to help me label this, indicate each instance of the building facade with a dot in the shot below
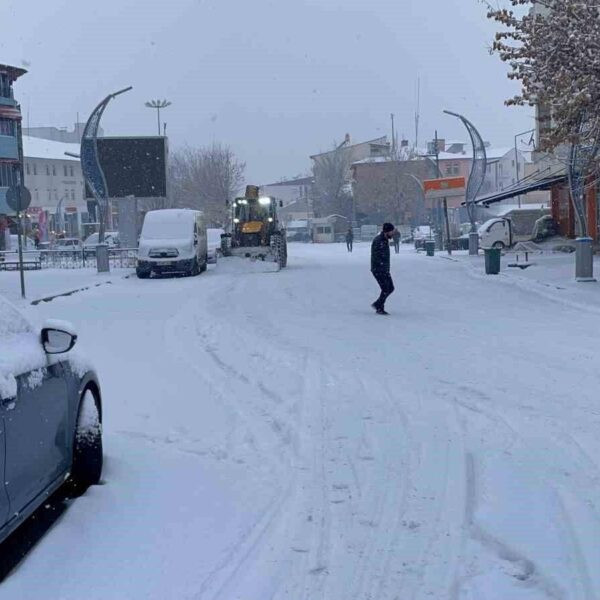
(59, 134)
(55, 180)
(11, 149)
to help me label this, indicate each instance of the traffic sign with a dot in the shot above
(18, 197)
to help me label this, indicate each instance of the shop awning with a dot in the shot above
(523, 187)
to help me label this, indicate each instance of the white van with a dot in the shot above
(517, 225)
(172, 241)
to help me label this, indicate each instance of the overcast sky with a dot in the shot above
(277, 80)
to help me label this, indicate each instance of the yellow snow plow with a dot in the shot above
(254, 230)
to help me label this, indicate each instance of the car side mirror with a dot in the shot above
(58, 338)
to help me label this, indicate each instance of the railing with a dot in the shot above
(119, 258)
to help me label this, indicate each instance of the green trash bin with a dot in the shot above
(430, 247)
(492, 261)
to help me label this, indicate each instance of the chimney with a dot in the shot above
(347, 139)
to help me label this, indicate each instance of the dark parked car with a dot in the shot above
(50, 417)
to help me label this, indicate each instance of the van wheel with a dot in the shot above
(499, 245)
(86, 469)
(194, 270)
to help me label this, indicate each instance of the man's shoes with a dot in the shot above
(382, 311)
(374, 305)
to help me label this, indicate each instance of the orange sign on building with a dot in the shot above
(446, 186)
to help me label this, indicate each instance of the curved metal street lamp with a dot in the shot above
(476, 177)
(91, 168)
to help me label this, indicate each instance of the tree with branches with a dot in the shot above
(331, 173)
(553, 50)
(206, 179)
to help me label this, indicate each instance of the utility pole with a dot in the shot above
(393, 136)
(517, 157)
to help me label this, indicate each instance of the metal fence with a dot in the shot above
(119, 258)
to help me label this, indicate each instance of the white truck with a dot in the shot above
(516, 225)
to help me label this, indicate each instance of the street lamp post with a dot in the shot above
(157, 104)
(94, 175)
(476, 177)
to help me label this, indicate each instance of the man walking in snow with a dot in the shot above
(380, 266)
(349, 239)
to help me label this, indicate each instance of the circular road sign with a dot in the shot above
(18, 197)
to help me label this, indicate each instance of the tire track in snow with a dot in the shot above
(505, 435)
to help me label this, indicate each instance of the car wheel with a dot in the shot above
(86, 469)
(499, 245)
(142, 273)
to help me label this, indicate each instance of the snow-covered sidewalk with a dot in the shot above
(268, 436)
(49, 282)
(551, 274)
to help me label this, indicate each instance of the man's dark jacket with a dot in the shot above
(380, 254)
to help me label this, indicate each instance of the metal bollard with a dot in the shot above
(102, 261)
(473, 243)
(584, 260)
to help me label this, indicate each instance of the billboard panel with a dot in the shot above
(133, 166)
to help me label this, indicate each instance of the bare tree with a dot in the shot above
(332, 182)
(205, 179)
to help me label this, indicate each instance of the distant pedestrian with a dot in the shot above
(380, 266)
(396, 238)
(349, 239)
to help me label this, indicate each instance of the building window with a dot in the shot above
(72, 194)
(48, 170)
(36, 195)
(34, 169)
(54, 170)
(8, 176)
(456, 170)
(7, 127)
(49, 195)
(27, 168)
(5, 89)
(72, 172)
(65, 170)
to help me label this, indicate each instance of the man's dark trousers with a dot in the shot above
(349, 245)
(387, 287)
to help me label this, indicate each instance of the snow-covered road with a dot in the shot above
(268, 436)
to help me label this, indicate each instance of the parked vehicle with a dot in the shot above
(172, 241)
(213, 236)
(68, 244)
(51, 417)
(298, 231)
(27, 243)
(111, 239)
(517, 225)
(420, 234)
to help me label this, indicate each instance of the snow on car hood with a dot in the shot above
(20, 348)
(25, 353)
